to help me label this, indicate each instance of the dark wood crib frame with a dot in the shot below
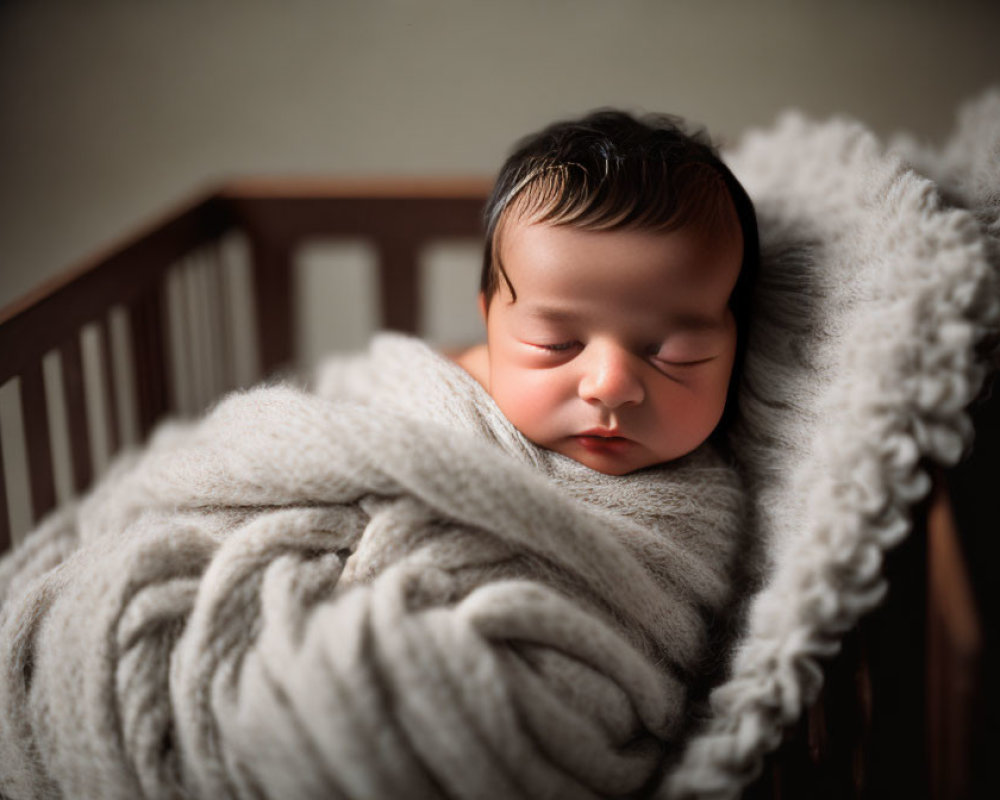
(904, 707)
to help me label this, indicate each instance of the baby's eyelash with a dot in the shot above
(559, 347)
(653, 351)
(694, 363)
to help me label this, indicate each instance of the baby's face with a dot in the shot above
(618, 349)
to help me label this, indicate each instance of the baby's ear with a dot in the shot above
(482, 306)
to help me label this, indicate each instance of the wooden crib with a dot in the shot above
(904, 708)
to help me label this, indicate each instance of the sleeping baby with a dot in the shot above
(618, 256)
(578, 458)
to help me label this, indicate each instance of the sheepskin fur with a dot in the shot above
(876, 300)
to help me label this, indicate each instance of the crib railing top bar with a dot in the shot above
(289, 210)
(286, 209)
(56, 309)
(285, 221)
(471, 187)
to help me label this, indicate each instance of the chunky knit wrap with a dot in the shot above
(376, 590)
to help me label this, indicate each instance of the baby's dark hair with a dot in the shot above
(611, 170)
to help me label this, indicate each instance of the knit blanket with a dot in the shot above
(375, 589)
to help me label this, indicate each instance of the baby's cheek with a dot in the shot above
(528, 398)
(686, 418)
(711, 403)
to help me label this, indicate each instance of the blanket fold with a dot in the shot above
(377, 588)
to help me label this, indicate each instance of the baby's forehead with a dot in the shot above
(713, 214)
(661, 271)
(542, 240)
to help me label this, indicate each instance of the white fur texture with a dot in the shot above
(873, 297)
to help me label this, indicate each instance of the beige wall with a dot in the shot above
(110, 112)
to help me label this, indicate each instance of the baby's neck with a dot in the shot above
(474, 360)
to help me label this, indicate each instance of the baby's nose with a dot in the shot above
(611, 378)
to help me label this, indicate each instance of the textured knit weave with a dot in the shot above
(874, 297)
(381, 590)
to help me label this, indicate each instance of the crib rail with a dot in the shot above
(276, 216)
(51, 319)
(900, 707)
(398, 217)
(901, 712)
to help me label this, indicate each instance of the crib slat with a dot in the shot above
(840, 726)
(71, 355)
(149, 350)
(213, 344)
(35, 413)
(399, 285)
(196, 384)
(5, 539)
(890, 754)
(864, 737)
(792, 771)
(955, 642)
(108, 381)
(185, 381)
(41, 320)
(823, 758)
(272, 301)
(222, 319)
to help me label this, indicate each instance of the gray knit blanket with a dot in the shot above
(376, 589)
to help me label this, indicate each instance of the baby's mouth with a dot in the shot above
(603, 441)
(602, 433)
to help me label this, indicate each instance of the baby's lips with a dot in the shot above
(603, 433)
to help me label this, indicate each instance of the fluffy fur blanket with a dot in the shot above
(377, 590)
(875, 320)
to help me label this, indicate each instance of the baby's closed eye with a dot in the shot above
(685, 363)
(660, 354)
(558, 347)
(687, 349)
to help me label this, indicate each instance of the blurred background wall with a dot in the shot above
(110, 112)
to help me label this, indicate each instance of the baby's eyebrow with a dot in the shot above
(552, 313)
(695, 322)
(688, 322)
